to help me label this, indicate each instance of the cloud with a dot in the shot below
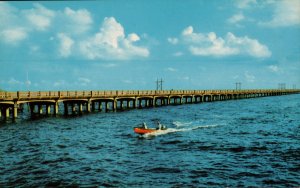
(249, 77)
(173, 40)
(17, 25)
(244, 4)
(171, 69)
(178, 54)
(236, 18)
(39, 17)
(66, 44)
(110, 43)
(14, 35)
(60, 83)
(286, 13)
(77, 21)
(13, 81)
(71, 28)
(273, 68)
(201, 44)
(85, 80)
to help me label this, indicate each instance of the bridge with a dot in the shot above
(48, 102)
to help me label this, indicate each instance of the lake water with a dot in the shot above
(250, 142)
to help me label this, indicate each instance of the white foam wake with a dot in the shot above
(182, 124)
(172, 130)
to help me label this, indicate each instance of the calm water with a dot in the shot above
(253, 142)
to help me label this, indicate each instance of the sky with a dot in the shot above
(129, 44)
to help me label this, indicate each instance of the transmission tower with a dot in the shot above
(238, 85)
(159, 84)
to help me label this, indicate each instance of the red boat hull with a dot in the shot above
(140, 130)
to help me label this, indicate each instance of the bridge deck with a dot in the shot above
(12, 101)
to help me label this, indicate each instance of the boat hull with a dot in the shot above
(140, 130)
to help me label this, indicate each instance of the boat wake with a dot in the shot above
(186, 127)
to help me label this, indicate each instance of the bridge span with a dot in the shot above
(48, 102)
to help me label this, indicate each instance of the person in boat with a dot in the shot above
(159, 126)
(144, 125)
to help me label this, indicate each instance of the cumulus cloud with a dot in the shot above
(244, 4)
(111, 43)
(202, 44)
(77, 21)
(66, 44)
(71, 28)
(273, 68)
(17, 25)
(39, 17)
(236, 18)
(13, 35)
(286, 13)
(173, 40)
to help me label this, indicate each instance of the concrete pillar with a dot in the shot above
(100, 106)
(80, 107)
(115, 105)
(88, 106)
(56, 108)
(128, 103)
(134, 103)
(121, 104)
(40, 109)
(48, 109)
(140, 103)
(7, 112)
(106, 106)
(73, 106)
(15, 110)
(0, 112)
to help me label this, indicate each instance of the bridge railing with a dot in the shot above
(127, 93)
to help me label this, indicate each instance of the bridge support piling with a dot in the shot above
(100, 106)
(73, 107)
(15, 110)
(80, 108)
(7, 112)
(88, 106)
(128, 104)
(48, 109)
(40, 108)
(56, 108)
(106, 106)
(115, 105)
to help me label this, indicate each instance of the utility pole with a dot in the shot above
(281, 86)
(159, 84)
(238, 85)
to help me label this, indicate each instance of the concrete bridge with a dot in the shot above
(79, 101)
